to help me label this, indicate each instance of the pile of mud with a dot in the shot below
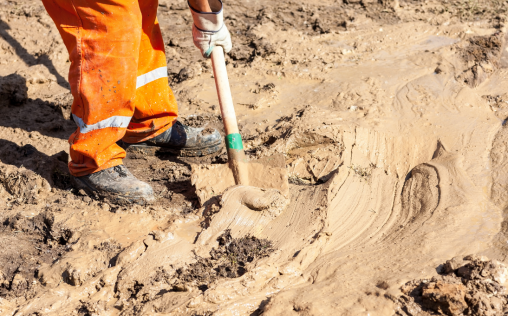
(473, 285)
(230, 260)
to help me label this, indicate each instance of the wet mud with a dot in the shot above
(28, 242)
(383, 123)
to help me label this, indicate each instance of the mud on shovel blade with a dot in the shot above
(236, 154)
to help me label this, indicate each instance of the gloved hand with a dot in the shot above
(209, 29)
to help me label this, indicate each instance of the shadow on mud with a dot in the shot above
(29, 59)
(50, 118)
(52, 168)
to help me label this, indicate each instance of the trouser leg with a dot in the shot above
(106, 41)
(155, 105)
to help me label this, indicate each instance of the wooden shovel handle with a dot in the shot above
(234, 144)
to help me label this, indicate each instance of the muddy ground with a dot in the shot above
(390, 116)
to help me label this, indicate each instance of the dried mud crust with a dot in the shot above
(309, 18)
(493, 11)
(472, 285)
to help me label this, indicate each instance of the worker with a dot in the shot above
(118, 78)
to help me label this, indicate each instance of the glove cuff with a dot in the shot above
(209, 21)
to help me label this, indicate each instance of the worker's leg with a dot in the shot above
(155, 105)
(103, 39)
(153, 124)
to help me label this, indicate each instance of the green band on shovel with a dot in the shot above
(209, 51)
(234, 141)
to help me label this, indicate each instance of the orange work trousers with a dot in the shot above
(118, 77)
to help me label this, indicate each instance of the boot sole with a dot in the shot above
(146, 150)
(115, 198)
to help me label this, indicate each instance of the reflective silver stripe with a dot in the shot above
(114, 121)
(155, 74)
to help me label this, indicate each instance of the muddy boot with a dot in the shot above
(181, 140)
(117, 184)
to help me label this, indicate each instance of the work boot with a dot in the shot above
(117, 184)
(181, 140)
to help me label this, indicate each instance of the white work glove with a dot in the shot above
(209, 29)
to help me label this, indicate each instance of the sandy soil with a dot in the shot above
(390, 116)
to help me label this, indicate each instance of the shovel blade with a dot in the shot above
(266, 173)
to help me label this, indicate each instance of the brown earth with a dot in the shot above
(229, 260)
(471, 285)
(390, 116)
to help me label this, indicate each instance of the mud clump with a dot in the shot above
(111, 249)
(498, 104)
(92, 309)
(189, 72)
(263, 47)
(482, 57)
(472, 285)
(230, 260)
(24, 185)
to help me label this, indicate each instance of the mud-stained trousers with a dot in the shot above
(118, 77)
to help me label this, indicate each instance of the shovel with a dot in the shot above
(236, 155)
(261, 184)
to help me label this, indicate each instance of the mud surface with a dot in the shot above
(28, 242)
(388, 118)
